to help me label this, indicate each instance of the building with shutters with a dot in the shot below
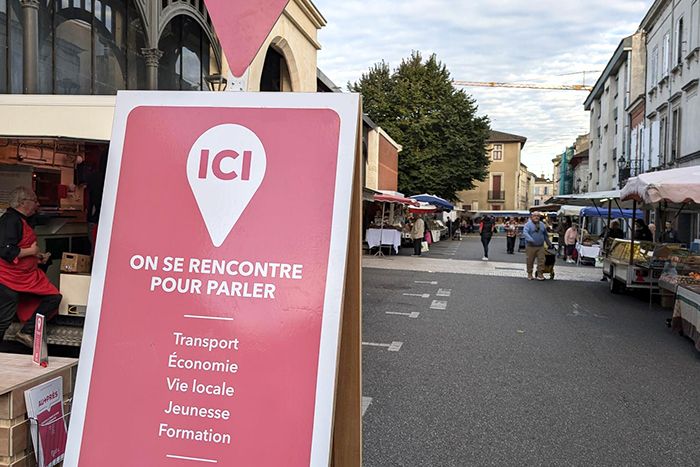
(671, 138)
(502, 188)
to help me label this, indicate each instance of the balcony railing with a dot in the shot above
(497, 195)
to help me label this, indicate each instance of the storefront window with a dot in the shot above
(110, 49)
(3, 46)
(186, 56)
(73, 50)
(94, 47)
(15, 50)
(169, 65)
(136, 40)
(45, 80)
(85, 47)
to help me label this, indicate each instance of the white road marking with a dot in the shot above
(393, 347)
(218, 318)
(413, 314)
(196, 459)
(444, 292)
(426, 282)
(577, 311)
(421, 295)
(472, 267)
(366, 401)
(438, 305)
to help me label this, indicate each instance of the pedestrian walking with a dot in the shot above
(511, 235)
(570, 238)
(536, 236)
(417, 234)
(564, 225)
(486, 229)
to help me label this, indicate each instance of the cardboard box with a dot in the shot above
(74, 288)
(74, 263)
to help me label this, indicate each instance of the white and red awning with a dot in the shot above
(674, 186)
(423, 208)
(386, 198)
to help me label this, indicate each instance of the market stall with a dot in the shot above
(435, 229)
(686, 313)
(383, 237)
(387, 232)
(587, 249)
(672, 192)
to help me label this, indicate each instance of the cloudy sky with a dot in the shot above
(490, 40)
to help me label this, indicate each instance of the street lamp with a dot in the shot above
(216, 82)
(623, 172)
(621, 163)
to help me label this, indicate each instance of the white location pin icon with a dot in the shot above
(225, 168)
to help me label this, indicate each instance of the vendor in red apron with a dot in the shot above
(24, 288)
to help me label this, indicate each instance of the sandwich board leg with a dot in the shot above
(347, 427)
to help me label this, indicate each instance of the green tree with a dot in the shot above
(443, 139)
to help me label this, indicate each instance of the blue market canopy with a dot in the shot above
(614, 213)
(435, 201)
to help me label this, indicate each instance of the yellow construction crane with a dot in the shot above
(556, 87)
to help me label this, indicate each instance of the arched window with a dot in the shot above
(97, 47)
(275, 75)
(73, 46)
(85, 47)
(10, 46)
(187, 56)
(4, 68)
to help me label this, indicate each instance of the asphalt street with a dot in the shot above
(513, 372)
(470, 248)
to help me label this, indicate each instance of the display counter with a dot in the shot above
(19, 373)
(686, 313)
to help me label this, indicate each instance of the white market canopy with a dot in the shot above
(569, 210)
(674, 186)
(585, 199)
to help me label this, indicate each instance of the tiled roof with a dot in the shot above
(501, 137)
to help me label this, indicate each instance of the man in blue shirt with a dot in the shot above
(536, 236)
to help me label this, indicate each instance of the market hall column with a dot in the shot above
(30, 49)
(152, 57)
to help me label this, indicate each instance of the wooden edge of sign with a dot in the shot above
(347, 421)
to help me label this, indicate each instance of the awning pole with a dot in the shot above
(624, 218)
(381, 232)
(607, 231)
(634, 219)
(680, 210)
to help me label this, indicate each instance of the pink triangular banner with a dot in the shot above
(242, 26)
